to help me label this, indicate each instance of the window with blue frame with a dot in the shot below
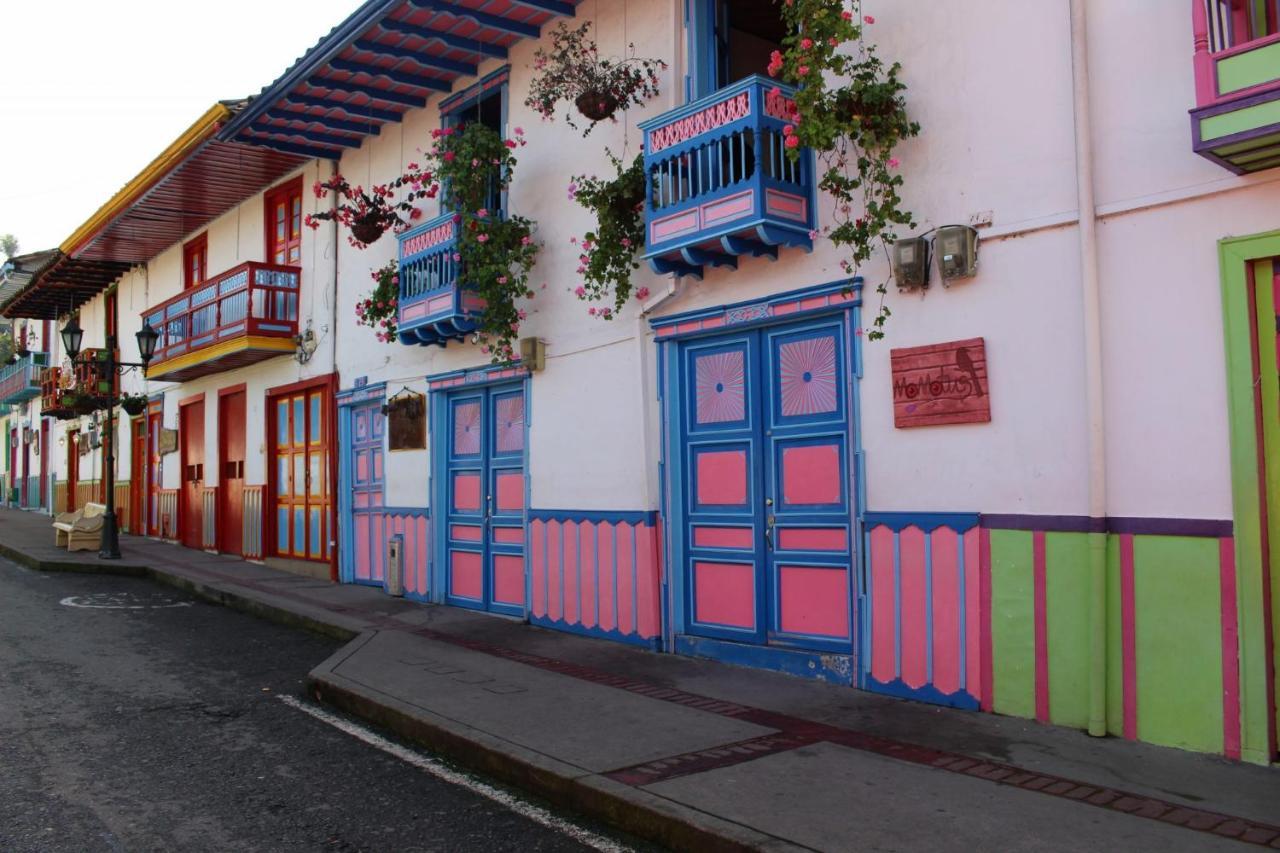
(730, 40)
(486, 103)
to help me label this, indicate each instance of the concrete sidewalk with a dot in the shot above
(699, 755)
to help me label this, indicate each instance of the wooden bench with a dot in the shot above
(80, 530)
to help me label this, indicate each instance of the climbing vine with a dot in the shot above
(607, 253)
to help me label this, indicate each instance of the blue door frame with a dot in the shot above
(764, 432)
(480, 488)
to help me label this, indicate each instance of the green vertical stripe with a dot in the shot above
(1012, 623)
(1067, 598)
(1179, 641)
(1115, 641)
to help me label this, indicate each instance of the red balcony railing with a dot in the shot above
(248, 313)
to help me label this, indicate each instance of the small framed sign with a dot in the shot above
(406, 421)
(168, 442)
(941, 384)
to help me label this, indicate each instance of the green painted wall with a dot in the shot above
(1115, 642)
(1067, 615)
(1012, 624)
(1179, 649)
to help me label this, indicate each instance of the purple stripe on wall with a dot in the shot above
(1133, 525)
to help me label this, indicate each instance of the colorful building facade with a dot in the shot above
(1046, 493)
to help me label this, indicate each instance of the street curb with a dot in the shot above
(623, 807)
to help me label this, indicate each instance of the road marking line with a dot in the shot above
(440, 771)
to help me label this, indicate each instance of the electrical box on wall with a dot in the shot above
(957, 251)
(533, 354)
(911, 262)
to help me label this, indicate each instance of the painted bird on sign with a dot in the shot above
(965, 363)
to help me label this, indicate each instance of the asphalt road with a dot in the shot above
(134, 718)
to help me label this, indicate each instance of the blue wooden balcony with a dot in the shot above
(20, 382)
(720, 182)
(432, 308)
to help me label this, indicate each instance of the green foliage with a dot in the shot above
(851, 110)
(9, 245)
(380, 309)
(474, 165)
(608, 252)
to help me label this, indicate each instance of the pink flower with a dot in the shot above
(591, 311)
(457, 256)
(482, 212)
(813, 235)
(642, 294)
(793, 142)
(524, 241)
(833, 41)
(775, 63)
(502, 279)
(848, 16)
(522, 314)
(803, 70)
(868, 19)
(482, 238)
(573, 191)
(626, 242)
(580, 292)
(519, 131)
(509, 143)
(893, 162)
(788, 130)
(806, 43)
(415, 214)
(474, 162)
(450, 156)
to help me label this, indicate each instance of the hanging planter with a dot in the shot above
(133, 404)
(371, 213)
(379, 310)
(572, 70)
(608, 252)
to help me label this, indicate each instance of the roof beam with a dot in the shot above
(484, 19)
(292, 147)
(357, 111)
(426, 60)
(555, 7)
(404, 78)
(374, 92)
(362, 127)
(482, 48)
(309, 135)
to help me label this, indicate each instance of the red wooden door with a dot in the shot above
(153, 474)
(26, 471)
(190, 509)
(138, 476)
(73, 469)
(300, 477)
(44, 462)
(231, 426)
(11, 481)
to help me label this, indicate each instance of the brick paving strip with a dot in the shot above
(795, 732)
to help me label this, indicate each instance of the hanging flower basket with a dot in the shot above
(607, 253)
(572, 70)
(133, 404)
(380, 309)
(368, 229)
(370, 214)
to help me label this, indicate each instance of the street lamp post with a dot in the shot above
(72, 337)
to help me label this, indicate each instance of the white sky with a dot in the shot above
(92, 91)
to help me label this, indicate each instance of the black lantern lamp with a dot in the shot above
(72, 337)
(147, 337)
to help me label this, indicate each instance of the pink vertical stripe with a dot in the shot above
(1042, 627)
(627, 577)
(1230, 649)
(410, 550)
(555, 572)
(1128, 639)
(423, 550)
(569, 578)
(538, 568)
(945, 555)
(648, 601)
(363, 570)
(972, 626)
(882, 605)
(608, 576)
(913, 608)
(587, 615)
(984, 619)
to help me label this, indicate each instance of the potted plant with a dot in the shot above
(572, 70)
(608, 252)
(371, 213)
(379, 309)
(79, 403)
(134, 404)
(850, 109)
(495, 251)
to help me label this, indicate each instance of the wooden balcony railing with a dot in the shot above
(1236, 121)
(720, 181)
(20, 381)
(246, 314)
(432, 307)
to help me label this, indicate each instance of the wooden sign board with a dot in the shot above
(407, 422)
(168, 442)
(941, 384)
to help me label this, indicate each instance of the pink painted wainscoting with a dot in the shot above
(923, 634)
(596, 573)
(373, 526)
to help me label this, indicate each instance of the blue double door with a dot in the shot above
(484, 489)
(765, 516)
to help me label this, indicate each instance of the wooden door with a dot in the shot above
(231, 452)
(11, 477)
(191, 497)
(300, 477)
(73, 470)
(45, 497)
(138, 476)
(363, 462)
(484, 524)
(766, 503)
(154, 481)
